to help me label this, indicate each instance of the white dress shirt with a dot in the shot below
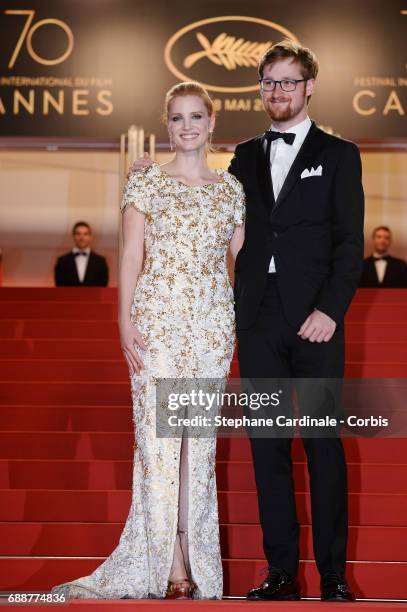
(81, 261)
(380, 265)
(282, 156)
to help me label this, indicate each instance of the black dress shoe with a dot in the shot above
(335, 588)
(278, 586)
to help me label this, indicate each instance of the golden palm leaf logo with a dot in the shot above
(222, 53)
(228, 51)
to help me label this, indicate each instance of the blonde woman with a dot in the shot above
(176, 320)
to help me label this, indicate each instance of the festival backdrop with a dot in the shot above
(90, 68)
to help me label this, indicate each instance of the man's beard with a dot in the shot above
(283, 113)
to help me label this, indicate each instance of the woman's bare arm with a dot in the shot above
(237, 240)
(130, 267)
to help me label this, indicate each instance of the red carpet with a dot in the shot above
(66, 445)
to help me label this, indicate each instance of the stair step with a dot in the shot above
(59, 329)
(72, 311)
(99, 393)
(375, 332)
(227, 603)
(375, 370)
(379, 313)
(78, 422)
(370, 580)
(231, 476)
(72, 370)
(77, 418)
(359, 369)
(372, 352)
(380, 296)
(59, 294)
(88, 349)
(369, 509)
(119, 445)
(64, 539)
(362, 478)
(108, 330)
(75, 310)
(110, 370)
(45, 348)
(117, 392)
(367, 579)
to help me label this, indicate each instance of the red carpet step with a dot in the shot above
(76, 418)
(227, 605)
(379, 579)
(66, 445)
(106, 444)
(235, 507)
(100, 330)
(238, 541)
(60, 294)
(75, 371)
(231, 475)
(14, 328)
(68, 349)
(112, 370)
(74, 310)
(70, 311)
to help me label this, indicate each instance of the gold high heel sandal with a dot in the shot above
(182, 588)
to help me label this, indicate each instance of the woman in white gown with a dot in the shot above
(176, 320)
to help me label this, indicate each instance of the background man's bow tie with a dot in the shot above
(384, 258)
(80, 253)
(271, 135)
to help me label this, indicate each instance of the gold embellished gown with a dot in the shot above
(183, 307)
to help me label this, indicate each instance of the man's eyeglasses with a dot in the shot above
(285, 84)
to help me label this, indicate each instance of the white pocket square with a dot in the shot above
(313, 172)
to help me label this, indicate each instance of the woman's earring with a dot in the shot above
(210, 137)
(171, 143)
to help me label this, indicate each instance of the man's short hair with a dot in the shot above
(288, 48)
(80, 224)
(381, 227)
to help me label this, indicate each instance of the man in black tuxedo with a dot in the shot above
(81, 267)
(294, 279)
(381, 269)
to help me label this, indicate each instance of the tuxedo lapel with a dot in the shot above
(89, 268)
(372, 269)
(73, 268)
(264, 174)
(304, 156)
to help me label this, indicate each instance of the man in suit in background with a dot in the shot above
(295, 277)
(381, 269)
(81, 266)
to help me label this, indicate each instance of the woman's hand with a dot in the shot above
(129, 338)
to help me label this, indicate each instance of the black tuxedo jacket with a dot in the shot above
(314, 229)
(395, 274)
(66, 274)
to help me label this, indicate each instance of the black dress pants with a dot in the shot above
(271, 348)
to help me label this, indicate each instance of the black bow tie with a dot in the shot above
(384, 258)
(80, 253)
(271, 135)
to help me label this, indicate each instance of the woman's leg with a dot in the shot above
(180, 566)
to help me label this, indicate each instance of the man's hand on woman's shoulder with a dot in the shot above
(139, 164)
